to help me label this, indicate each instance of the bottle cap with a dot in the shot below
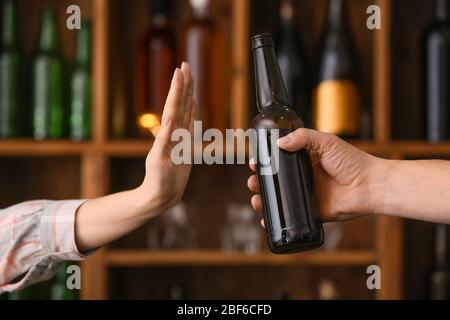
(262, 40)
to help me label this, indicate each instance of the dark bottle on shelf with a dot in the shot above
(291, 212)
(202, 45)
(336, 97)
(12, 112)
(47, 97)
(81, 87)
(154, 69)
(437, 74)
(440, 278)
(292, 63)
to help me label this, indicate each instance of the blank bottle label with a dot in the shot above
(337, 107)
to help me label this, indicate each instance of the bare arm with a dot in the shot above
(106, 219)
(414, 189)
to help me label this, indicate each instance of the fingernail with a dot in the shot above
(285, 140)
(183, 65)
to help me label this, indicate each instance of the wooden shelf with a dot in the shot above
(144, 258)
(29, 148)
(128, 148)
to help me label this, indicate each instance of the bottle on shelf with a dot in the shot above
(48, 96)
(292, 62)
(291, 212)
(336, 96)
(155, 64)
(12, 112)
(81, 87)
(436, 46)
(202, 45)
(440, 278)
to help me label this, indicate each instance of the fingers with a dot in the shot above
(169, 117)
(305, 138)
(252, 166)
(194, 115)
(173, 98)
(253, 184)
(186, 95)
(257, 203)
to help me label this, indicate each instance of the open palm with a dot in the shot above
(164, 180)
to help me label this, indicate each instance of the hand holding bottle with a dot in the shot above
(350, 183)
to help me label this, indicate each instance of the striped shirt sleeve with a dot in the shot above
(35, 237)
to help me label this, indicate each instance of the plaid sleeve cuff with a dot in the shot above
(57, 230)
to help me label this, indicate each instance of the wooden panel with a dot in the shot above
(100, 69)
(141, 258)
(30, 148)
(240, 64)
(44, 178)
(382, 75)
(390, 257)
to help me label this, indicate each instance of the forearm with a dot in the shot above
(103, 220)
(413, 189)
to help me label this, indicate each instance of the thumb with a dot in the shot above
(306, 139)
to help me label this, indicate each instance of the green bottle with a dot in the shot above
(11, 76)
(47, 99)
(80, 87)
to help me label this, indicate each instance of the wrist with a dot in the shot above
(145, 202)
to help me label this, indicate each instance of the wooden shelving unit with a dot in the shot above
(95, 163)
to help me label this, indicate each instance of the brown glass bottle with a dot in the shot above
(154, 70)
(202, 45)
(291, 212)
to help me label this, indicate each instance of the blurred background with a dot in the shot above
(79, 110)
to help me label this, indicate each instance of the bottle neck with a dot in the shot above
(83, 53)
(269, 81)
(442, 10)
(287, 16)
(48, 41)
(336, 14)
(9, 28)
